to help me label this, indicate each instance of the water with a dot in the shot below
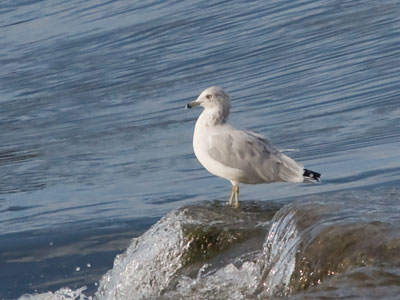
(95, 144)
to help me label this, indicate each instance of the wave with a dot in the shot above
(343, 243)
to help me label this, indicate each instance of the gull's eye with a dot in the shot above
(209, 96)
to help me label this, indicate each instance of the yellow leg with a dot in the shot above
(235, 188)
(231, 198)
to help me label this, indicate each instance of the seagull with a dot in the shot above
(237, 155)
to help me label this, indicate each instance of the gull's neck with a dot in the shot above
(213, 117)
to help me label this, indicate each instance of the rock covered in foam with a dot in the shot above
(187, 245)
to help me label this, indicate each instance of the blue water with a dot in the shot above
(95, 141)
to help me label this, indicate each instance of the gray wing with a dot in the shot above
(246, 151)
(254, 155)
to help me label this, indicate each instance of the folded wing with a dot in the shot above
(253, 154)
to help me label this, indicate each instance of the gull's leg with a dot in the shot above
(231, 198)
(235, 188)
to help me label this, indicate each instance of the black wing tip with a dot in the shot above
(312, 175)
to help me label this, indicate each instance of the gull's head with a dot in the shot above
(213, 98)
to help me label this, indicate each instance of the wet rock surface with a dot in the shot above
(188, 244)
(324, 239)
(359, 284)
(305, 248)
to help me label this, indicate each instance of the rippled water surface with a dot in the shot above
(95, 143)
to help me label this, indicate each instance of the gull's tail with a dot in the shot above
(311, 176)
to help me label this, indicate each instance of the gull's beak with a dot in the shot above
(192, 104)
